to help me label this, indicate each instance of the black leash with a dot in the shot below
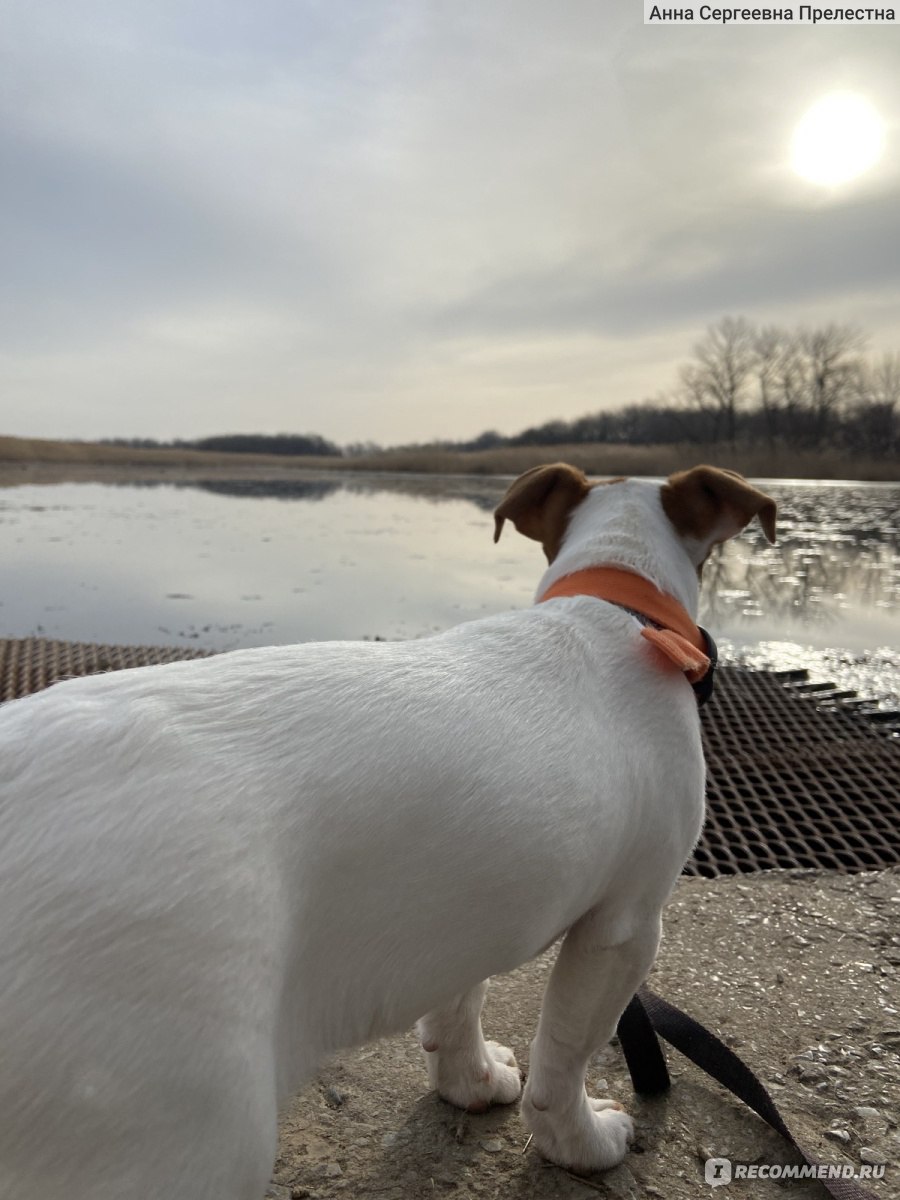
(648, 1015)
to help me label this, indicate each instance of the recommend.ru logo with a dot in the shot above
(717, 1171)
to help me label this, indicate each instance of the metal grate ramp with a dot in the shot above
(29, 664)
(795, 778)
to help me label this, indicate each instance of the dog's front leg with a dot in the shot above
(465, 1069)
(598, 970)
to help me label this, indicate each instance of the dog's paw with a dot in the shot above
(592, 1137)
(475, 1086)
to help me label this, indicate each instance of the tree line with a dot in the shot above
(744, 384)
(240, 443)
(752, 385)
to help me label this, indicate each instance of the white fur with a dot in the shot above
(214, 873)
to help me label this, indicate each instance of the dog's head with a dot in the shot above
(704, 506)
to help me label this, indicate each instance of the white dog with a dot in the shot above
(214, 873)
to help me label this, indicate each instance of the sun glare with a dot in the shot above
(839, 138)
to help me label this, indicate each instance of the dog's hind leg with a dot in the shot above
(465, 1069)
(600, 966)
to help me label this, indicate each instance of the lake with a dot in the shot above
(223, 565)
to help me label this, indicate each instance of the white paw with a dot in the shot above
(591, 1136)
(475, 1084)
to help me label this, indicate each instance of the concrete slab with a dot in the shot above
(798, 971)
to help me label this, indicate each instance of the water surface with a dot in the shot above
(223, 565)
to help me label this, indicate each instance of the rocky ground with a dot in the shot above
(799, 972)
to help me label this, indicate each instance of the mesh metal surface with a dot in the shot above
(796, 778)
(29, 664)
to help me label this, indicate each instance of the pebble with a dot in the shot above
(492, 1145)
(810, 1074)
(332, 1170)
(838, 1135)
(872, 1157)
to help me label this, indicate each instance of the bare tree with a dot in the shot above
(693, 393)
(749, 383)
(718, 381)
(831, 356)
(884, 387)
(770, 345)
(873, 414)
(791, 382)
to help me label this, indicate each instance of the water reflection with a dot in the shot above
(484, 493)
(837, 556)
(273, 489)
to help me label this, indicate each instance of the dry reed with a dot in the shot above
(596, 459)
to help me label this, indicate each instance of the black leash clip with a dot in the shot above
(703, 688)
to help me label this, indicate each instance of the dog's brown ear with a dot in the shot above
(539, 504)
(711, 504)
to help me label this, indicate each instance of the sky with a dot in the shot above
(400, 220)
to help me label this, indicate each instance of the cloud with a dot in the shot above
(398, 220)
(698, 273)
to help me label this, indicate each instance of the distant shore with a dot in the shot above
(34, 460)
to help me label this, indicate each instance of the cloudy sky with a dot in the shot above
(405, 219)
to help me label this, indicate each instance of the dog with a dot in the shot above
(215, 873)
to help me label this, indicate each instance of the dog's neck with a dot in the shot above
(624, 525)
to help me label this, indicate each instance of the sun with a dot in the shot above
(839, 138)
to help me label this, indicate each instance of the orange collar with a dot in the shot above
(679, 638)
